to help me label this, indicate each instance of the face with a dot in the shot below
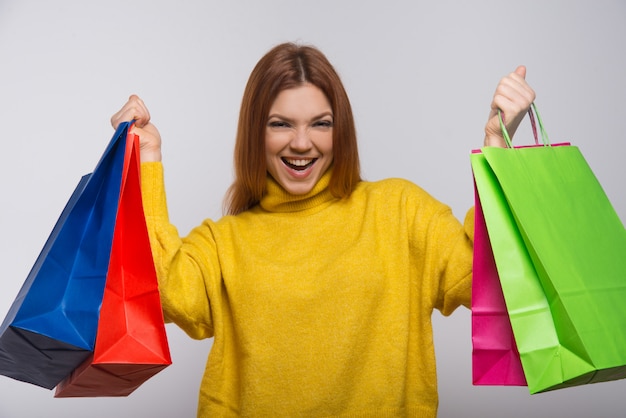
(299, 138)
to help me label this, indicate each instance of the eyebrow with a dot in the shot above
(318, 117)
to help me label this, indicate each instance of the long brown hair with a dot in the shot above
(287, 66)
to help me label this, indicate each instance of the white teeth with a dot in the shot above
(298, 163)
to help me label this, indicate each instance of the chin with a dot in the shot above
(298, 189)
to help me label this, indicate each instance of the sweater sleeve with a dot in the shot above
(442, 250)
(184, 266)
(454, 245)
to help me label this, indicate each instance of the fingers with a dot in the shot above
(513, 95)
(134, 109)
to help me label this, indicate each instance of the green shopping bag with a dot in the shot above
(560, 251)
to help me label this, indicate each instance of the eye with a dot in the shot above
(278, 124)
(324, 123)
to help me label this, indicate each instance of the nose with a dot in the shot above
(301, 141)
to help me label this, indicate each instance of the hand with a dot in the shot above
(513, 96)
(149, 136)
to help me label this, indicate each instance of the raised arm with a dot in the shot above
(186, 267)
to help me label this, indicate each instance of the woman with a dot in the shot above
(317, 287)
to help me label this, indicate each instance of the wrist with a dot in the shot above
(148, 156)
(492, 140)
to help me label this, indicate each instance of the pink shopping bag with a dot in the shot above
(495, 359)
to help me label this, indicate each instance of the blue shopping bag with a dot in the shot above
(51, 327)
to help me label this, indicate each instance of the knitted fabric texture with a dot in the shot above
(317, 306)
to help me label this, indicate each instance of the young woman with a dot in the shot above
(317, 287)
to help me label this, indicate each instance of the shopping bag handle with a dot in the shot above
(132, 144)
(532, 111)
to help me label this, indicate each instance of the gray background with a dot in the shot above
(420, 75)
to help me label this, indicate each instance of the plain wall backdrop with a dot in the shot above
(420, 75)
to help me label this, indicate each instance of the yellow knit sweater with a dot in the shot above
(318, 307)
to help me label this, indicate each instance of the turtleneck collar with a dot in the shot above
(278, 199)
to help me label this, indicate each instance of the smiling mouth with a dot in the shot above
(298, 164)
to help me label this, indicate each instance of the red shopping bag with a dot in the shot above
(131, 343)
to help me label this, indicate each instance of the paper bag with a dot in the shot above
(131, 343)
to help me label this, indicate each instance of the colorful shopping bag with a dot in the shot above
(131, 343)
(51, 326)
(495, 359)
(558, 246)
